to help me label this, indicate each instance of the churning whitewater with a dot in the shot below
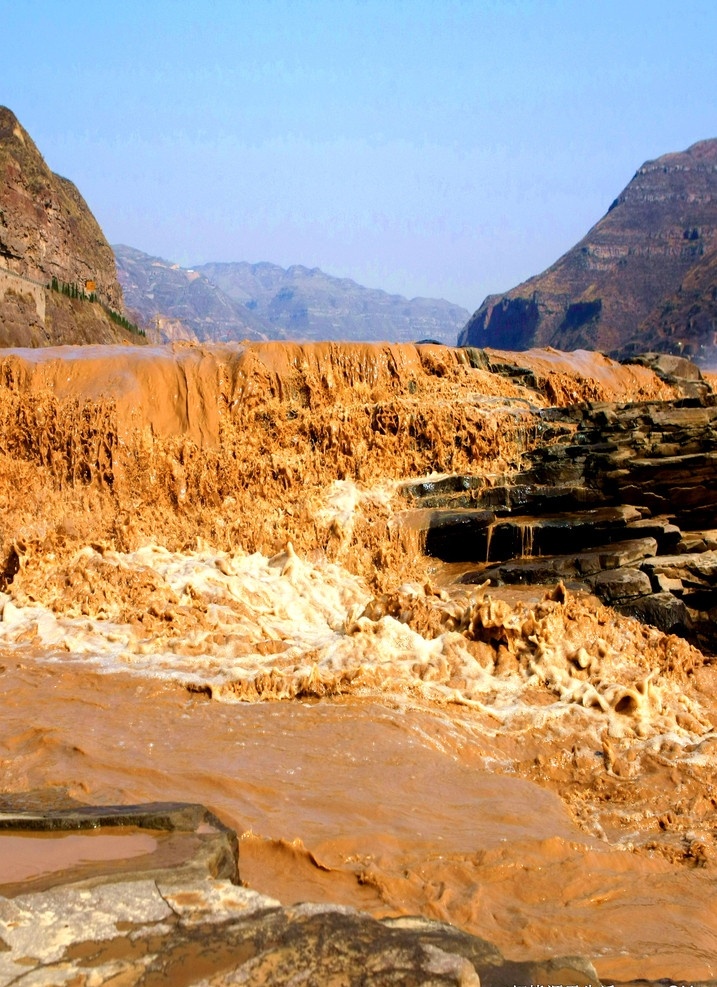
(215, 589)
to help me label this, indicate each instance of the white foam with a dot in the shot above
(248, 627)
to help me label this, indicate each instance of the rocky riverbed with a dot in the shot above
(620, 500)
(428, 630)
(179, 915)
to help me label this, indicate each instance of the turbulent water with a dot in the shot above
(212, 592)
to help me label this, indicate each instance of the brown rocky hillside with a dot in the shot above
(615, 289)
(48, 232)
(686, 322)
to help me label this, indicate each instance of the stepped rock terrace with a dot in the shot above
(429, 629)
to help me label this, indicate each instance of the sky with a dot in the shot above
(441, 148)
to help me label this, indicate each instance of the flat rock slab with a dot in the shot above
(516, 492)
(182, 840)
(623, 553)
(475, 535)
(662, 529)
(616, 585)
(537, 499)
(579, 565)
(515, 537)
(670, 419)
(171, 816)
(526, 571)
(215, 934)
(701, 565)
(437, 486)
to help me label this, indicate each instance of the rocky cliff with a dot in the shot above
(223, 302)
(614, 290)
(48, 232)
(686, 321)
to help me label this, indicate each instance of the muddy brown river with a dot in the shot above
(237, 619)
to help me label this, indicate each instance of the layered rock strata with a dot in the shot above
(619, 287)
(620, 499)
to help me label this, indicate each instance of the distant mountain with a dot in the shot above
(265, 301)
(619, 289)
(48, 236)
(307, 303)
(182, 303)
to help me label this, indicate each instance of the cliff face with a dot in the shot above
(685, 322)
(47, 231)
(606, 292)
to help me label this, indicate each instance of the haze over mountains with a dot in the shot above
(642, 278)
(231, 301)
(49, 237)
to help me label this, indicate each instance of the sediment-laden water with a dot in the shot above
(211, 594)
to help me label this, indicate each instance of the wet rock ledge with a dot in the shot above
(185, 920)
(619, 499)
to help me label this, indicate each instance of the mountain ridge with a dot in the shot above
(604, 292)
(266, 301)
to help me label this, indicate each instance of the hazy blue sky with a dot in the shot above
(438, 148)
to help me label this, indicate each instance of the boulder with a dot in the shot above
(661, 610)
(211, 934)
(618, 585)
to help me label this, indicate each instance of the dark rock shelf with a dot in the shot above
(619, 498)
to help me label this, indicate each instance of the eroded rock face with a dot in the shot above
(629, 266)
(620, 499)
(47, 231)
(687, 320)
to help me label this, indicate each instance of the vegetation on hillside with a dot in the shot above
(72, 290)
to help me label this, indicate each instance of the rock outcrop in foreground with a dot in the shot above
(49, 236)
(642, 278)
(620, 499)
(191, 922)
